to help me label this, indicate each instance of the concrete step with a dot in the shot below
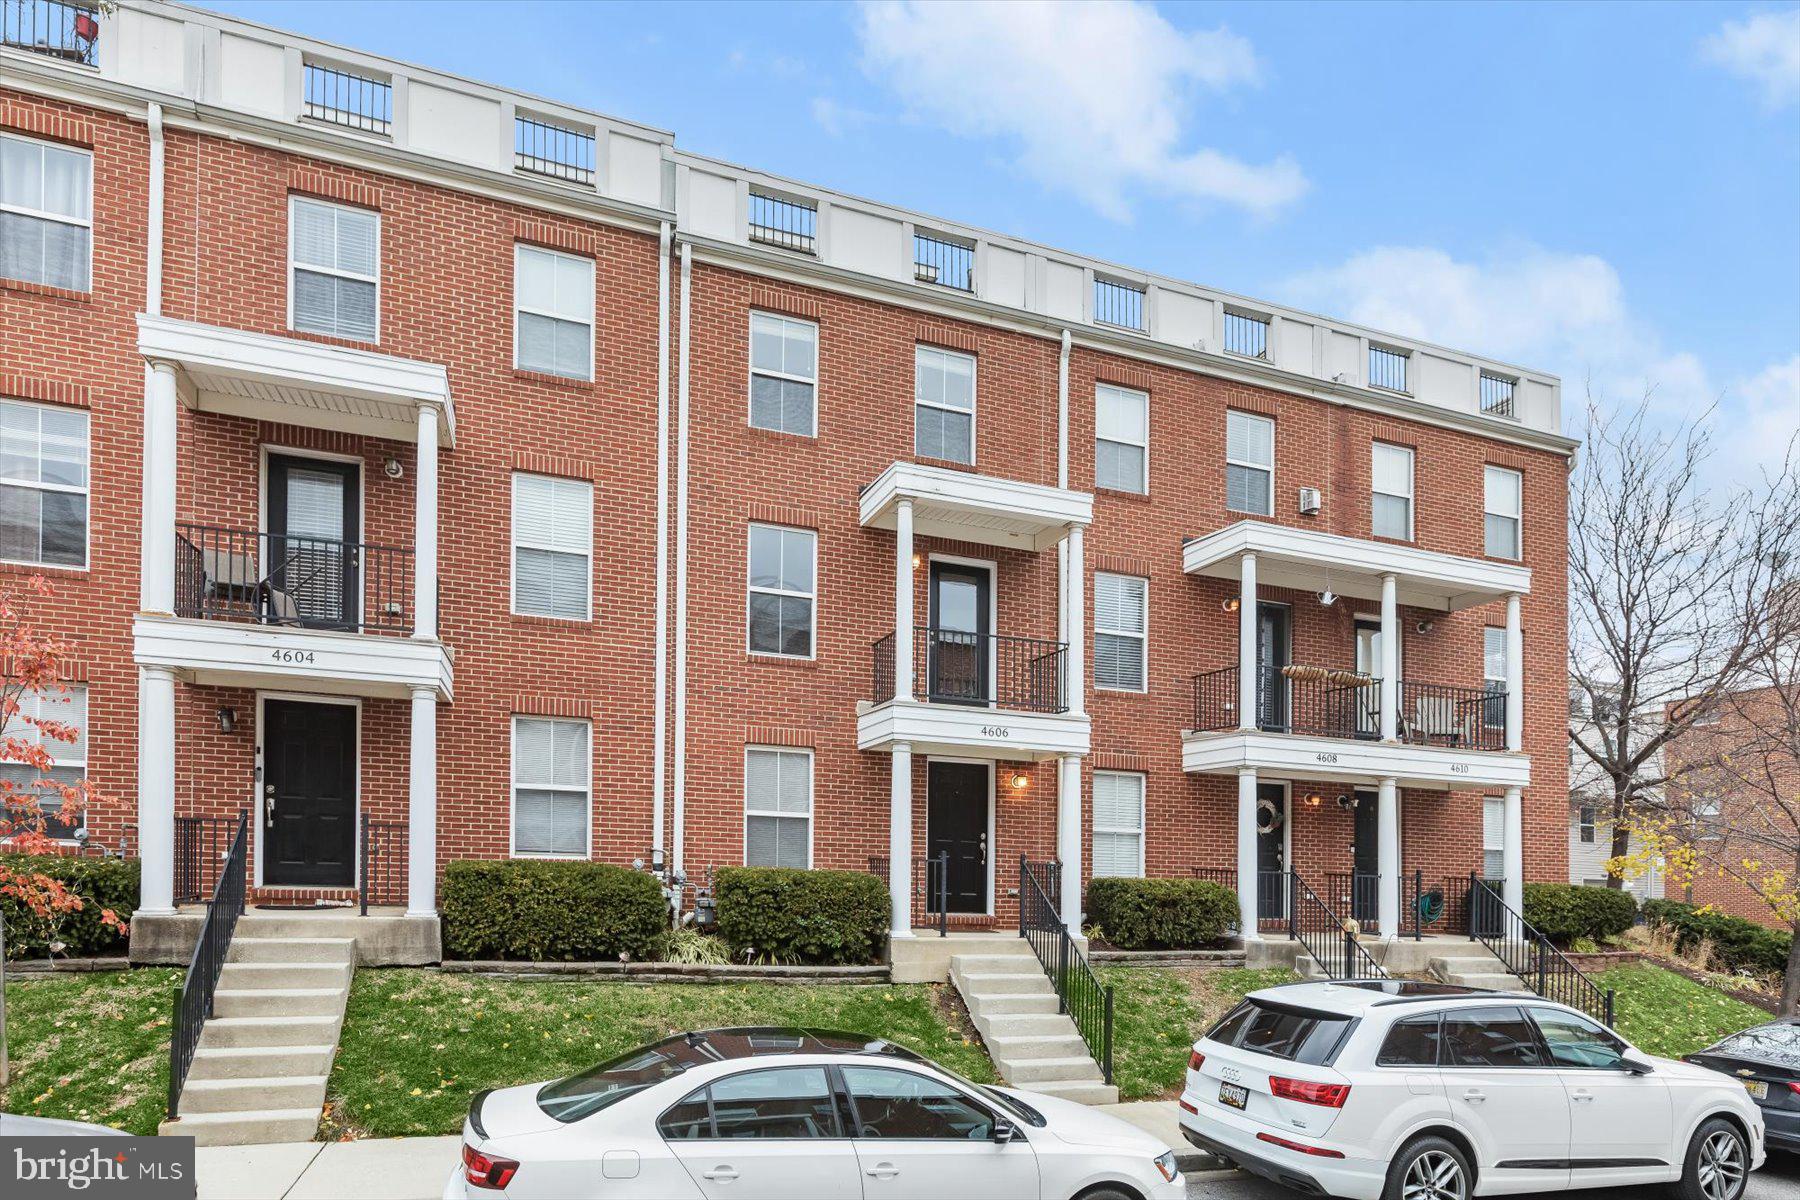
(221, 1032)
(1080, 1091)
(246, 1128)
(1496, 983)
(1016, 1003)
(1004, 1024)
(260, 1062)
(291, 950)
(1015, 1050)
(995, 964)
(279, 1002)
(1027, 1073)
(1035, 983)
(249, 976)
(252, 1094)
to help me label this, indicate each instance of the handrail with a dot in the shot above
(928, 890)
(1313, 924)
(194, 998)
(1079, 992)
(1528, 955)
(951, 666)
(1327, 702)
(230, 574)
(381, 865)
(1362, 891)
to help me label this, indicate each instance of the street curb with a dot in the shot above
(1189, 1162)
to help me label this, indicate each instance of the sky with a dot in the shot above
(1610, 192)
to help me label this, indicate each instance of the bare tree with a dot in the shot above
(1670, 594)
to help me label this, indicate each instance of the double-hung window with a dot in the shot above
(1493, 676)
(1121, 439)
(1391, 486)
(784, 374)
(1493, 838)
(1118, 823)
(1121, 621)
(553, 315)
(68, 758)
(334, 267)
(43, 484)
(781, 590)
(550, 772)
(46, 213)
(552, 531)
(1584, 824)
(777, 808)
(1249, 463)
(1501, 491)
(943, 404)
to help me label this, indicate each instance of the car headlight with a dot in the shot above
(1165, 1162)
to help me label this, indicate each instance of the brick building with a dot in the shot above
(436, 471)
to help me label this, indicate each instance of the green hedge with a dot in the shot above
(1566, 911)
(551, 911)
(831, 918)
(1161, 914)
(102, 883)
(1737, 943)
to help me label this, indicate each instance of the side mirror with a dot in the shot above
(1636, 1064)
(1003, 1131)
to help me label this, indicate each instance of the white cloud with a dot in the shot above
(1764, 49)
(837, 118)
(1767, 408)
(1098, 98)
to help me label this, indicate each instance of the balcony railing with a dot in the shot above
(787, 223)
(345, 98)
(943, 262)
(53, 28)
(1325, 702)
(928, 886)
(281, 579)
(977, 669)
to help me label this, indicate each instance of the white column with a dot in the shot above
(157, 590)
(1247, 650)
(1075, 662)
(156, 789)
(900, 851)
(1513, 891)
(425, 528)
(1246, 852)
(1390, 659)
(1387, 853)
(1515, 677)
(903, 606)
(421, 808)
(1068, 839)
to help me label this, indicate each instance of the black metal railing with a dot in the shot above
(1319, 702)
(1497, 396)
(1528, 955)
(943, 262)
(545, 148)
(1246, 335)
(953, 667)
(1328, 702)
(345, 98)
(194, 998)
(381, 868)
(1216, 699)
(202, 845)
(780, 221)
(1118, 304)
(1358, 895)
(928, 889)
(53, 28)
(1318, 928)
(1271, 895)
(1079, 992)
(282, 579)
(1387, 369)
(1439, 714)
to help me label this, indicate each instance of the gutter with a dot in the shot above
(660, 736)
(681, 568)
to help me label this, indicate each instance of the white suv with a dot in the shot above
(1394, 1090)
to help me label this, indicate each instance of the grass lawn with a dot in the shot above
(91, 1047)
(417, 1044)
(1158, 1012)
(1671, 1015)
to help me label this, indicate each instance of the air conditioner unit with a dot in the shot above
(1310, 501)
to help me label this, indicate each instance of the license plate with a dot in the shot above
(1757, 1088)
(1233, 1096)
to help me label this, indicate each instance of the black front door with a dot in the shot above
(1271, 851)
(957, 826)
(309, 794)
(1365, 858)
(957, 654)
(1271, 657)
(311, 576)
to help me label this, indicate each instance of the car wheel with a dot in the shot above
(1104, 1192)
(1718, 1163)
(1430, 1169)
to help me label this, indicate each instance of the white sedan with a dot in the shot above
(790, 1114)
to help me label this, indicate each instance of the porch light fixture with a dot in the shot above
(227, 719)
(1230, 605)
(1313, 799)
(1020, 781)
(918, 561)
(1328, 597)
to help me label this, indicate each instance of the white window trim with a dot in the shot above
(1248, 465)
(811, 798)
(751, 590)
(295, 199)
(1486, 849)
(519, 306)
(514, 543)
(1143, 639)
(67, 489)
(1102, 385)
(512, 791)
(1410, 495)
(972, 412)
(1517, 518)
(1587, 825)
(1143, 806)
(60, 218)
(752, 371)
(58, 748)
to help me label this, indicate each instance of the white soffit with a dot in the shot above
(974, 508)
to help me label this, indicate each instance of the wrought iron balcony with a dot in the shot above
(953, 667)
(1327, 702)
(282, 579)
(52, 28)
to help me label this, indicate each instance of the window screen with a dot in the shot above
(43, 484)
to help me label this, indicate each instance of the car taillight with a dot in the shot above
(1196, 1060)
(1794, 1087)
(1325, 1095)
(485, 1171)
(1315, 1151)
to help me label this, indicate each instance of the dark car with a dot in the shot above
(1767, 1060)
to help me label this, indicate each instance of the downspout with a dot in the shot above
(1062, 481)
(153, 289)
(659, 772)
(681, 565)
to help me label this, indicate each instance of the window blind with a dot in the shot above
(777, 808)
(552, 530)
(1118, 823)
(1119, 624)
(336, 264)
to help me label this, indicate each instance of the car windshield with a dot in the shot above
(584, 1094)
(1766, 1043)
